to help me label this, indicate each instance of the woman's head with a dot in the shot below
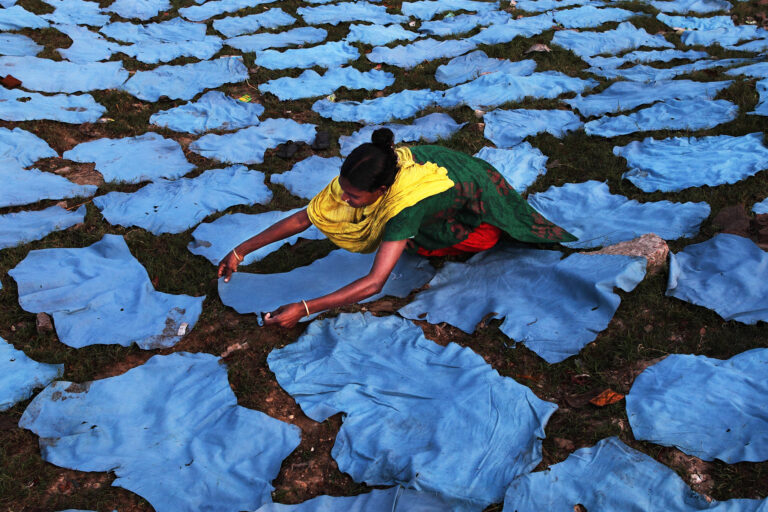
(370, 169)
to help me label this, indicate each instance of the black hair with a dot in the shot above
(373, 164)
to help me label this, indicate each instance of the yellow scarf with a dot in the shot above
(361, 229)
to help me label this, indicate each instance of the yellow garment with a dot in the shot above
(361, 229)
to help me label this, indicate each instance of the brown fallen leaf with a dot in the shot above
(607, 397)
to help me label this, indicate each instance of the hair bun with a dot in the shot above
(383, 138)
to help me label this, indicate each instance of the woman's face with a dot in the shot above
(357, 198)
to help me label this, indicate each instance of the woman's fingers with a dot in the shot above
(226, 267)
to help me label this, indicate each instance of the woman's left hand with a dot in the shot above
(286, 316)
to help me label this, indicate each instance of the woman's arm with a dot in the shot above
(285, 228)
(371, 284)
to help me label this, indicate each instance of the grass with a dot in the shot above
(647, 325)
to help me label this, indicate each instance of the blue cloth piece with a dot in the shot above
(429, 128)
(719, 274)
(293, 37)
(153, 52)
(147, 157)
(213, 8)
(23, 146)
(644, 56)
(102, 295)
(86, 46)
(186, 81)
(248, 145)
(624, 37)
(413, 408)
(462, 23)
(613, 476)
(7, 3)
(22, 186)
(213, 111)
(321, 277)
(548, 5)
(378, 35)
(691, 6)
(761, 207)
(520, 166)
(399, 105)
(427, 9)
(333, 14)
(18, 45)
(328, 55)
(759, 70)
(554, 306)
(695, 22)
(761, 109)
(76, 12)
(665, 407)
(506, 32)
(724, 36)
(18, 105)
(628, 95)
(171, 431)
(28, 226)
(141, 9)
(642, 73)
(759, 45)
(507, 128)
(492, 90)
(378, 500)
(46, 75)
(239, 25)
(175, 206)
(310, 176)
(691, 114)
(213, 240)
(20, 375)
(475, 64)
(677, 163)
(598, 218)
(423, 50)
(173, 31)
(589, 16)
(311, 84)
(17, 18)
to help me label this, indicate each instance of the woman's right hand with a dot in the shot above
(228, 265)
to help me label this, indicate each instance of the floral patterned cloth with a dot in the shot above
(480, 194)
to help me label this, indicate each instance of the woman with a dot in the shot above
(427, 199)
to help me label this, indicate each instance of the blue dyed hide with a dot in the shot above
(102, 295)
(18, 45)
(310, 176)
(589, 211)
(141, 9)
(20, 375)
(475, 64)
(46, 75)
(613, 476)
(413, 54)
(333, 14)
(454, 25)
(171, 431)
(427, 9)
(628, 95)
(248, 145)
(399, 105)
(186, 81)
(506, 32)
(76, 12)
(24, 186)
(589, 16)
(413, 408)
(378, 35)
(213, 111)
(175, 206)
(147, 157)
(720, 274)
(553, 305)
(507, 128)
(429, 128)
(691, 6)
(624, 37)
(296, 36)
(239, 25)
(213, 240)
(17, 18)
(665, 406)
(213, 8)
(328, 55)
(520, 165)
(28, 226)
(311, 84)
(691, 114)
(678, 163)
(24, 147)
(323, 276)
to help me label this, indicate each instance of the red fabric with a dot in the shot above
(482, 238)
